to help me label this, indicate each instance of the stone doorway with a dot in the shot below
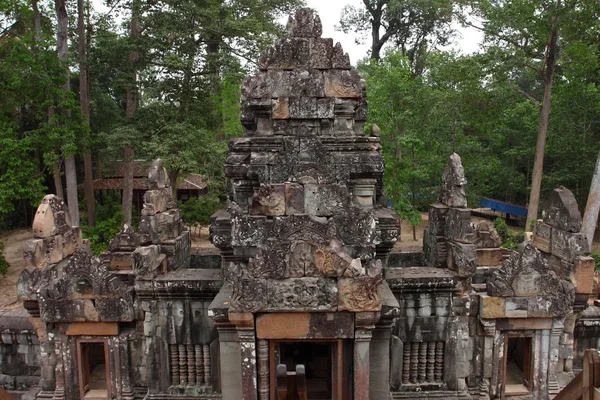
(328, 366)
(518, 365)
(93, 369)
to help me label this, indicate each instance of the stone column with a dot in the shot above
(555, 365)
(124, 386)
(364, 326)
(231, 362)
(263, 369)
(59, 390)
(379, 382)
(244, 323)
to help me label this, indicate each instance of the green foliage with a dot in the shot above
(4, 265)
(198, 210)
(596, 257)
(510, 240)
(109, 217)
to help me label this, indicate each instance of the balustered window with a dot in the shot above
(190, 365)
(423, 363)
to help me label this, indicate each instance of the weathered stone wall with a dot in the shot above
(20, 355)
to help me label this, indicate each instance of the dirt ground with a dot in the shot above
(13, 253)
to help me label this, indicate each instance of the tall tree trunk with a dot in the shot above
(592, 208)
(538, 166)
(63, 49)
(37, 20)
(213, 48)
(131, 106)
(84, 103)
(58, 187)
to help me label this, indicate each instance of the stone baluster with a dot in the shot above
(406, 363)
(199, 360)
(182, 365)
(414, 361)
(439, 361)
(174, 364)
(191, 364)
(207, 369)
(422, 361)
(431, 361)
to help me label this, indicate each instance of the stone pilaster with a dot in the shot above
(231, 362)
(363, 333)
(379, 383)
(244, 323)
(263, 369)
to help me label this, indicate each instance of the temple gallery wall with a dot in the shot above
(307, 299)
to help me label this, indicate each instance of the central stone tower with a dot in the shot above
(306, 234)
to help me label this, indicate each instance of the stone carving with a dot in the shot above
(486, 236)
(300, 294)
(158, 176)
(248, 295)
(360, 294)
(271, 261)
(561, 211)
(526, 273)
(452, 191)
(54, 237)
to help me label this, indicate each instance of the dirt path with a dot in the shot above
(13, 253)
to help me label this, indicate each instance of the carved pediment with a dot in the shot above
(526, 274)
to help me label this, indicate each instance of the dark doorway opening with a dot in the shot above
(328, 367)
(518, 371)
(316, 358)
(93, 370)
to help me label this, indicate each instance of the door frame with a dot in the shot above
(83, 371)
(337, 364)
(527, 363)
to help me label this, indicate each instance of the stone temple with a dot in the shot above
(306, 297)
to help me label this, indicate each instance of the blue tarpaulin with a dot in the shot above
(504, 207)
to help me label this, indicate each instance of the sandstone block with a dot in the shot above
(281, 108)
(325, 200)
(35, 252)
(294, 199)
(489, 257)
(491, 307)
(452, 191)
(461, 258)
(51, 218)
(269, 200)
(561, 211)
(567, 245)
(459, 227)
(156, 200)
(359, 294)
(584, 275)
(342, 83)
(542, 236)
(302, 294)
(437, 219)
(339, 59)
(321, 52)
(516, 307)
(539, 307)
(158, 176)
(146, 260)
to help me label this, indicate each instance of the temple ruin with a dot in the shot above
(307, 298)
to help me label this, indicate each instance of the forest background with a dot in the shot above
(82, 90)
